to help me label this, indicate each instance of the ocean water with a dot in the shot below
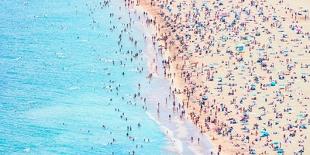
(58, 82)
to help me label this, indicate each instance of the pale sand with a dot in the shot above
(206, 55)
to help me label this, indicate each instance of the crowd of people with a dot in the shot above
(238, 69)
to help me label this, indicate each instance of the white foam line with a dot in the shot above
(177, 144)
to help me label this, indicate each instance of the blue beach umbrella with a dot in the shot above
(303, 126)
(280, 151)
(240, 48)
(264, 133)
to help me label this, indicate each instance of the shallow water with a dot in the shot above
(55, 72)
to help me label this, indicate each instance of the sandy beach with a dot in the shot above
(239, 70)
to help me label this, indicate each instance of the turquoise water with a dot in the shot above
(58, 82)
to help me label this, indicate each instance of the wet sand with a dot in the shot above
(160, 105)
(178, 130)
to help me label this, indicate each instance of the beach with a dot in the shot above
(239, 70)
(176, 77)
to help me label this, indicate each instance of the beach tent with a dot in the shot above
(253, 87)
(169, 8)
(247, 39)
(240, 47)
(273, 83)
(276, 145)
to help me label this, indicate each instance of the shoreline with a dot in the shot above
(177, 130)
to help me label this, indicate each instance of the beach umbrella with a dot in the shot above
(276, 145)
(264, 133)
(303, 126)
(301, 116)
(273, 83)
(280, 151)
(240, 47)
(205, 97)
